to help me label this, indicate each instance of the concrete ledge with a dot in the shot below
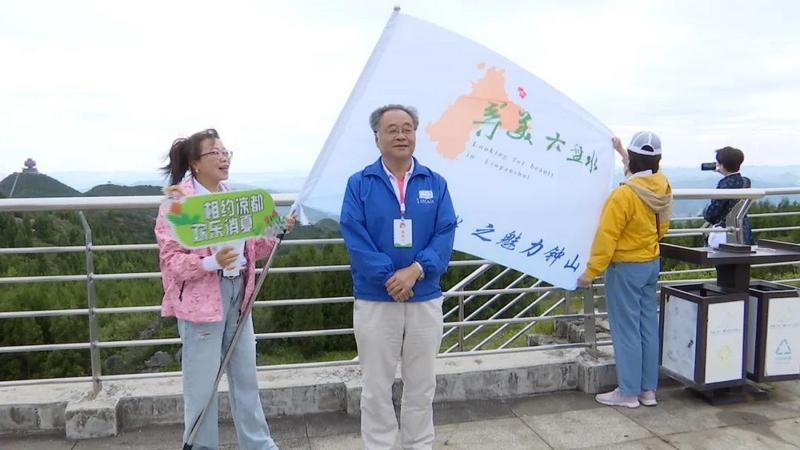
(36, 418)
(512, 375)
(146, 402)
(283, 393)
(38, 408)
(89, 419)
(597, 372)
(307, 399)
(490, 377)
(138, 412)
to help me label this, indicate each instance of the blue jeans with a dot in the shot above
(204, 345)
(633, 316)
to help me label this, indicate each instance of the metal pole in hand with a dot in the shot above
(229, 352)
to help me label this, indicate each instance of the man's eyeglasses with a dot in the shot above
(393, 132)
(224, 154)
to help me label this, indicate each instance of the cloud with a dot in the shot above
(95, 85)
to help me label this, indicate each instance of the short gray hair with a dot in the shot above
(375, 117)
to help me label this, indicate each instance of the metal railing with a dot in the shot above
(469, 331)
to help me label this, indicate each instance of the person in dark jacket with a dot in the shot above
(398, 225)
(729, 161)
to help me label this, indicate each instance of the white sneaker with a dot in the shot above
(616, 398)
(648, 398)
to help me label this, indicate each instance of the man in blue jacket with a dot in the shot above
(398, 225)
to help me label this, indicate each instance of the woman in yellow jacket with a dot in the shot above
(635, 217)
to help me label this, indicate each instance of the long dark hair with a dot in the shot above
(640, 163)
(184, 152)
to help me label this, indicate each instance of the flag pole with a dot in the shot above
(338, 126)
(229, 352)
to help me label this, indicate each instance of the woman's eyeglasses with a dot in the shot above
(223, 154)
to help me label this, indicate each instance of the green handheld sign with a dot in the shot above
(204, 220)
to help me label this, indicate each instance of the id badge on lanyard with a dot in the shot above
(402, 226)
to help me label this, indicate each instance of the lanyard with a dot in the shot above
(401, 189)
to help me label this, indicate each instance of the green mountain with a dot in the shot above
(328, 225)
(113, 190)
(28, 185)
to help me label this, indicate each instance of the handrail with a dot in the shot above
(95, 203)
(719, 194)
(287, 199)
(462, 291)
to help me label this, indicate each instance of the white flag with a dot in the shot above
(528, 169)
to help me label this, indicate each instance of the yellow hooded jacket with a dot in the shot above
(635, 217)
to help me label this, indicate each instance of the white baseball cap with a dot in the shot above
(645, 143)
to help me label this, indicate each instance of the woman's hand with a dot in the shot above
(174, 191)
(584, 281)
(617, 143)
(289, 222)
(622, 152)
(226, 257)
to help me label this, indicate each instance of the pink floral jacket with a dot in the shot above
(191, 293)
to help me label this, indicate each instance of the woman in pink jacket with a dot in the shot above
(205, 289)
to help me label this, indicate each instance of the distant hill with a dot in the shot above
(762, 176)
(283, 181)
(324, 229)
(113, 190)
(39, 185)
(329, 225)
(693, 178)
(28, 185)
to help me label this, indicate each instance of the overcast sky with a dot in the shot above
(107, 85)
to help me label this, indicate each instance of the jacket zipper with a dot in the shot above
(388, 183)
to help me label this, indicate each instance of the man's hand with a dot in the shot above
(401, 283)
(404, 296)
(584, 281)
(226, 257)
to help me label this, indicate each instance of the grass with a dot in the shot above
(543, 327)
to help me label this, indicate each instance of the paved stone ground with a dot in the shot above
(564, 420)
